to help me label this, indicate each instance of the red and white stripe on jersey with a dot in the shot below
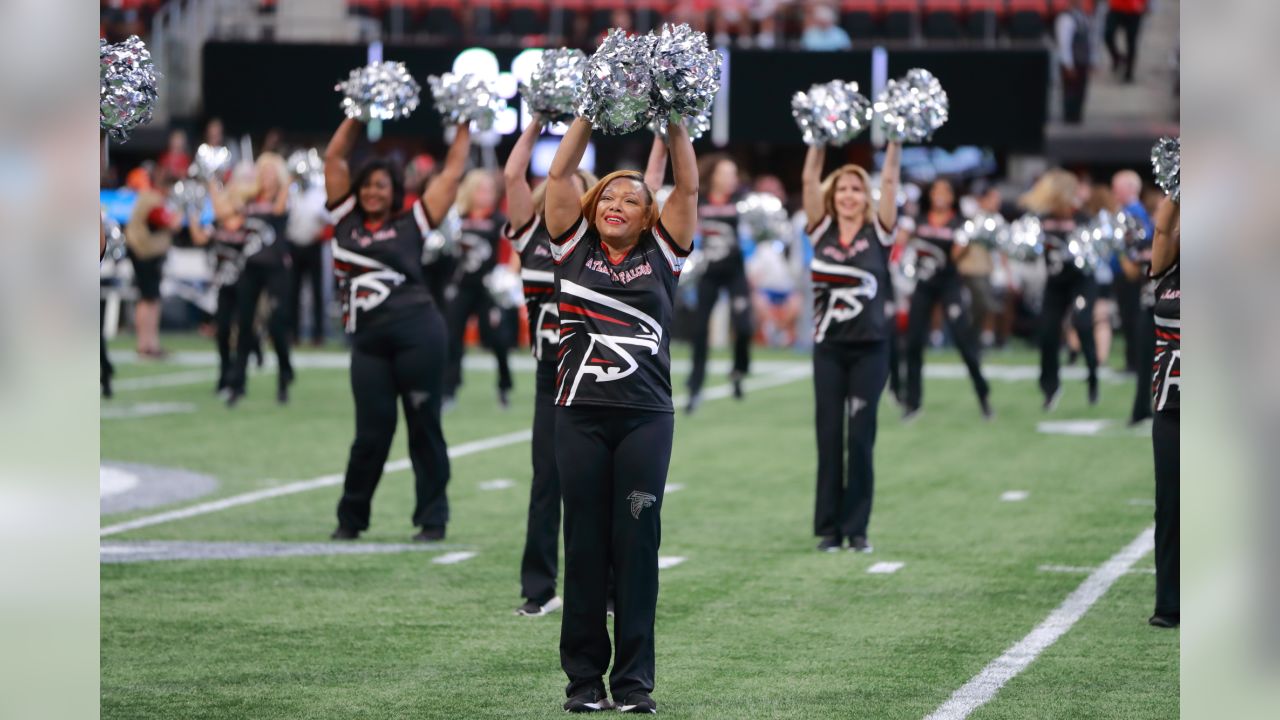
(521, 237)
(348, 206)
(885, 235)
(563, 246)
(537, 282)
(834, 274)
(674, 254)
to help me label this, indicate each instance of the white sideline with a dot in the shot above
(453, 558)
(984, 686)
(885, 568)
(781, 377)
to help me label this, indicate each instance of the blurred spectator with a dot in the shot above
(1124, 15)
(215, 137)
(177, 156)
(273, 142)
(1073, 33)
(821, 31)
(1126, 189)
(777, 305)
(305, 229)
(148, 236)
(975, 268)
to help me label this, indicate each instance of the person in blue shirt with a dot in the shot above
(1126, 192)
(821, 31)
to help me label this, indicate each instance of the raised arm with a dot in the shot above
(223, 207)
(1168, 237)
(516, 175)
(656, 171)
(888, 210)
(443, 188)
(199, 234)
(564, 205)
(811, 178)
(680, 214)
(337, 175)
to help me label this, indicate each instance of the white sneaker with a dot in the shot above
(533, 609)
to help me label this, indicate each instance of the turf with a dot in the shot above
(753, 624)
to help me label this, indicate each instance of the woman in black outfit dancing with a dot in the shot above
(851, 239)
(938, 245)
(1167, 390)
(617, 264)
(398, 335)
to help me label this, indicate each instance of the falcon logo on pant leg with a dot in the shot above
(640, 501)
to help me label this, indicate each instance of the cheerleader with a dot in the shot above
(527, 233)
(1167, 394)
(851, 239)
(617, 264)
(1068, 288)
(265, 270)
(725, 270)
(482, 249)
(397, 333)
(938, 246)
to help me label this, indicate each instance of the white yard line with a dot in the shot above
(1082, 570)
(984, 686)
(1014, 496)
(453, 558)
(669, 562)
(781, 377)
(885, 568)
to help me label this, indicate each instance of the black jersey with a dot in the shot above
(615, 319)
(379, 268)
(1057, 236)
(233, 248)
(537, 272)
(1166, 385)
(850, 283)
(718, 228)
(478, 242)
(932, 246)
(275, 252)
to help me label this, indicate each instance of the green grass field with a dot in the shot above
(753, 624)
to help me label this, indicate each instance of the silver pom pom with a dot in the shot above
(382, 91)
(553, 86)
(986, 229)
(116, 248)
(694, 267)
(1166, 162)
(307, 167)
(443, 239)
(127, 86)
(211, 163)
(697, 126)
(188, 196)
(1024, 240)
(832, 113)
(505, 287)
(913, 108)
(764, 217)
(1118, 232)
(616, 94)
(686, 72)
(465, 98)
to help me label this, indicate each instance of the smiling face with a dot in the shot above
(724, 180)
(375, 194)
(621, 210)
(850, 197)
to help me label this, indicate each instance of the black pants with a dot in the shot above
(1145, 339)
(474, 299)
(847, 382)
(919, 320)
(1128, 295)
(404, 359)
(308, 265)
(1062, 297)
(613, 470)
(542, 534)
(709, 287)
(1164, 442)
(1075, 85)
(1130, 23)
(254, 279)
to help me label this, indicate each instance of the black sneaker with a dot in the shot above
(987, 412)
(860, 544)
(608, 607)
(344, 533)
(592, 700)
(234, 397)
(283, 381)
(429, 534)
(1163, 621)
(737, 387)
(695, 400)
(1093, 391)
(638, 702)
(1051, 400)
(533, 609)
(910, 415)
(504, 398)
(829, 544)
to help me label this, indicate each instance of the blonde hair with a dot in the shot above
(467, 189)
(1053, 193)
(274, 163)
(592, 198)
(540, 193)
(829, 190)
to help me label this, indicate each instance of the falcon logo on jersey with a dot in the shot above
(607, 357)
(718, 239)
(848, 287)
(640, 501)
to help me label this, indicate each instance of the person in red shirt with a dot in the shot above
(1124, 15)
(177, 157)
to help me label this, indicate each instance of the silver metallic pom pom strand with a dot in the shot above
(913, 108)
(465, 98)
(686, 71)
(832, 113)
(381, 91)
(1166, 163)
(127, 86)
(616, 95)
(553, 85)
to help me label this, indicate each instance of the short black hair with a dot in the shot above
(397, 181)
